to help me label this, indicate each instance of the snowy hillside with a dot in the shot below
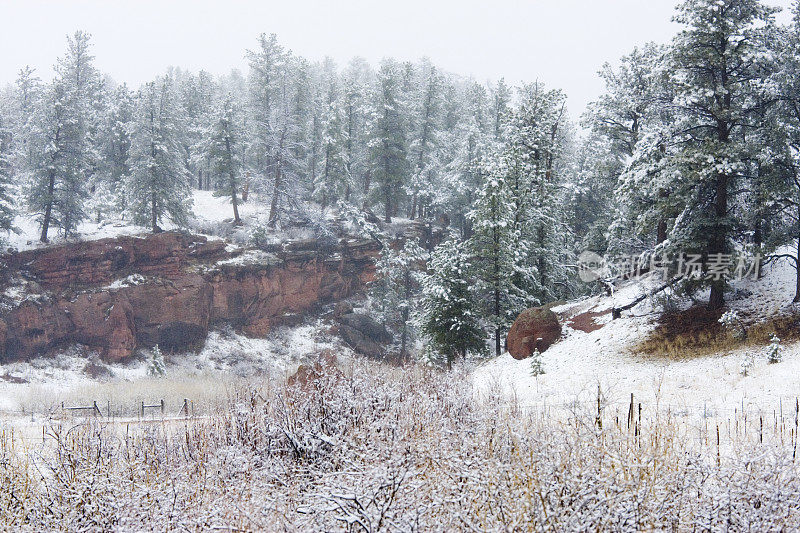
(704, 385)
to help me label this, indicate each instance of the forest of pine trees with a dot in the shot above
(693, 149)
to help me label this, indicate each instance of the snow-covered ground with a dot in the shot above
(706, 386)
(211, 215)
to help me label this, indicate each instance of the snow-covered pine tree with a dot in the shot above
(56, 179)
(537, 365)
(397, 287)
(28, 91)
(388, 138)
(224, 151)
(692, 172)
(780, 150)
(159, 183)
(118, 144)
(631, 100)
(534, 145)
(6, 176)
(66, 155)
(156, 367)
(332, 178)
(427, 107)
(448, 313)
(501, 102)
(500, 254)
(590, 193)
(356, 80)
(463, 144)
(774, 350)
(633, 103)
(275, 130)
(196, 99)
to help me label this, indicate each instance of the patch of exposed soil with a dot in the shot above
(586, 321)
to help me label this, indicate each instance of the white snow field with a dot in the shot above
(705, 386)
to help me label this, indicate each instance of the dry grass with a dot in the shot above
(696, 332)
(206, 390)
(390, 449)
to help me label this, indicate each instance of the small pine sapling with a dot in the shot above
(537, 365)
(746, 364)
(156, 367)
(774, 350)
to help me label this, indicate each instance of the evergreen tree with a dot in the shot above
(333, 180)
(274, 128)
(500, 253)
(388, 138)
(225, 153)
(780, 151)
(423, 148)
(356, 81)
(449, 316)
(693, 173)
(158, 185)
(501, 101)
(66, 153)
(534, 145)
(27, 94)
(6, 177)
(397, 287)
(120, 123)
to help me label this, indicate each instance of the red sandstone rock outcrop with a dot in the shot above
(168, 289)
(534, 329)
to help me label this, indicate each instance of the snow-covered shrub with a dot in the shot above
(156, 366)
(733, 324)
(260, 237)
(774, 350)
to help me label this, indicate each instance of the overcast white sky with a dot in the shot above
(560, 42)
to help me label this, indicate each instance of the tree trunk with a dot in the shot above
(717, 298)
(273, 208)
(662, 231)
(232, 183)
(236, 220)
(367, 183)
(246, 188)
(404, 335)
(797, 265)
(387, 200)
(48, 211)
(496, 268)
(153, 213)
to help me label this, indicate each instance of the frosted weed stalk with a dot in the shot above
(376, 448)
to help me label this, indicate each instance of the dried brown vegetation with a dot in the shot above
(391, 449)
(696, 332)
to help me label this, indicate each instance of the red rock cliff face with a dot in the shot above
(114, 295)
